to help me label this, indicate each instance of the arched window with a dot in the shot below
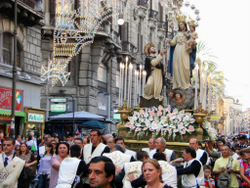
(8, 50)
(102, 73)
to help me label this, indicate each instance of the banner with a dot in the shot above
(6, 99)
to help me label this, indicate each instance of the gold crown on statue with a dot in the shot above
(181, 18)
(192, 23)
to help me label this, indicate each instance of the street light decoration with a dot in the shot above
(191, 13)
(76, 28)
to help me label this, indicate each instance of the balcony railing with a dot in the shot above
(153, 14)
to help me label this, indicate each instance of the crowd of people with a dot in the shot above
(104, 161)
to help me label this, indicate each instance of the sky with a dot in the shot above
(225, 28)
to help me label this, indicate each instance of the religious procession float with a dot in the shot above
(187, 113)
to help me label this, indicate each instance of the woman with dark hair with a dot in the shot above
(180, 66)
(45, 167)
(152, 172)
(29, 170)
(17, 150)
(62, 151)
(54, 144)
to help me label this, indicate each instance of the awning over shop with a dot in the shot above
(8, 113)
(17, 114)
(82, 115)
(93, 124)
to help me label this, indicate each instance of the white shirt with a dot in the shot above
(131, 153)
(9, 158)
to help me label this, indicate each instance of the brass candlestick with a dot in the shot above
(124, 111)
(199, 115)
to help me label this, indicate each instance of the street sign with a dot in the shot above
(116, 117)
(58, 100)
(58, 108)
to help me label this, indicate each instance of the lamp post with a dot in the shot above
(14, 76)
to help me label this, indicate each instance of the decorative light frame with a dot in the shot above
(75, 29)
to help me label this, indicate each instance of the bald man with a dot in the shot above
(201, 155)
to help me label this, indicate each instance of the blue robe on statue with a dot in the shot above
(192, 56)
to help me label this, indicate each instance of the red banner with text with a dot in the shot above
(6, 99)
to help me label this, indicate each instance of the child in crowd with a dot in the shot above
(209, 182)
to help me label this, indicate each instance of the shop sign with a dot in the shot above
(4, 118)
(35, 117)
(58, 108)
(6, 99)
(58, 100)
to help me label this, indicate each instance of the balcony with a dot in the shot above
(153, 14)
(25, 12)
(143, 3)
(125, 46)
(162, 25)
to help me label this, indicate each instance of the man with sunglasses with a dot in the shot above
(10, 165)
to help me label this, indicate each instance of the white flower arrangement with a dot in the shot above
(160, 121)
(210, 130)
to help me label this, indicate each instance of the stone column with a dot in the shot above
(90, 59)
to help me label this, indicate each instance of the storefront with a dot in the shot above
(5, 121)
(5, 110)
(35, 121)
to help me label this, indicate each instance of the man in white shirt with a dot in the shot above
(161, 147)
(10, 165)
(34, 139)
(151, 145)
(192, 171)
(201, 155)
(111, 143)
(120, 141)
(96, 148)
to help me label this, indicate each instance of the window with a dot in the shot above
(8, 50)
(64, 9)
(124, 31)
(102, 73)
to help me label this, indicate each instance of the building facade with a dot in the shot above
(28, 63)
(94, 82)
(234, 116)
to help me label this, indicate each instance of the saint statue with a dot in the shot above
(155, 72)
(181, 62)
